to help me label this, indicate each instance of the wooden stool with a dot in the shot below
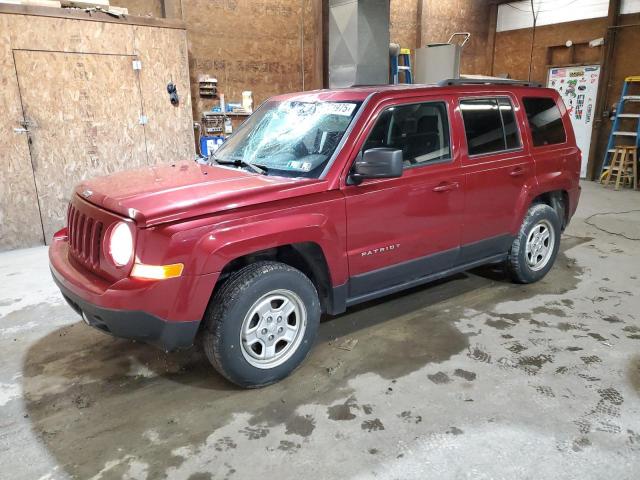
(624, 165)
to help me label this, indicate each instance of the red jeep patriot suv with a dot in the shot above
(320, 201)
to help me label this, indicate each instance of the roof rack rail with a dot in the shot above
(487, 81)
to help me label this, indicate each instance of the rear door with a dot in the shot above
(553, 144)
(496, 170)
(405, 228)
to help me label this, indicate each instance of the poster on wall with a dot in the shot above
(578, 87)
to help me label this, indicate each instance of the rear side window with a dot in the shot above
(545, 121)
(490, 125)
(420, 130)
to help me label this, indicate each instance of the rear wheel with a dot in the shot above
(535, 248)
(261, 324)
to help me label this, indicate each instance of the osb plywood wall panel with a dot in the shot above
(169, 133)
(85, 99)
(403, 23)
(439, 20)
(19, 217)
(65, 35)
(512, 48)
(312, 47)
(84, 124)
(249, 45)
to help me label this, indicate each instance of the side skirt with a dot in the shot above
(422, 280)
(395, 278)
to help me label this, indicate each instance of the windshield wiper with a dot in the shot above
(238, 162)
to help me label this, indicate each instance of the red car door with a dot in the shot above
(496, 169)
(399, 229)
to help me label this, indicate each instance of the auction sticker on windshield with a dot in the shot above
(298, 165)
(332, 108)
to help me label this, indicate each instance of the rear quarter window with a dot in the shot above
(545, 121)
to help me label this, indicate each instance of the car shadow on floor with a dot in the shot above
(90, 397)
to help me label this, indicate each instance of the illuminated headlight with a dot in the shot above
(121, 244)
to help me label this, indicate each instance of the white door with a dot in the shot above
(578, 87)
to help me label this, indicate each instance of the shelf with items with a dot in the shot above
(208, 87)
(212, 123)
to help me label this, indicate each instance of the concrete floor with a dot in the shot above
(472, 377)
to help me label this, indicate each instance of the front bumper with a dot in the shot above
(165, 313)
(131, 324)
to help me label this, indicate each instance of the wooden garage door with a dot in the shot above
(83, 114)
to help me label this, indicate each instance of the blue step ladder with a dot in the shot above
(401, 63)
(617, 134)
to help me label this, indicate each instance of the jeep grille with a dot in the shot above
(85, 237)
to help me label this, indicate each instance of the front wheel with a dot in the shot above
(535, 248)
(261, 324)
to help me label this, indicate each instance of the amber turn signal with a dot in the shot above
(157, 272)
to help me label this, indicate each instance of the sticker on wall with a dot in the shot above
(579, 107)
(558, 72)
(588, 116)
(578, 88)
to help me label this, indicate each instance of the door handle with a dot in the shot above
(446, 187)
(518, 171)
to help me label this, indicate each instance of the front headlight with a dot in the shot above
(121, 244)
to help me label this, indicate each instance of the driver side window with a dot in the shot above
(420, 130)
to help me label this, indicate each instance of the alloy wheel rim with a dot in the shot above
(273, 329)
(540, 244)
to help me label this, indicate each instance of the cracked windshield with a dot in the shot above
(289, 138)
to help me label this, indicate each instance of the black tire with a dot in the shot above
(519, 268)
(227, 310)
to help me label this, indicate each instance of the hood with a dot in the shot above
(166, 193)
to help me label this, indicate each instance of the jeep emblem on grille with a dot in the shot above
(87, 193)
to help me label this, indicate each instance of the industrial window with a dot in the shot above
(490, 125)
(420, 130)
(545, 121)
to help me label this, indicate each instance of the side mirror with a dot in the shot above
(379, 162)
